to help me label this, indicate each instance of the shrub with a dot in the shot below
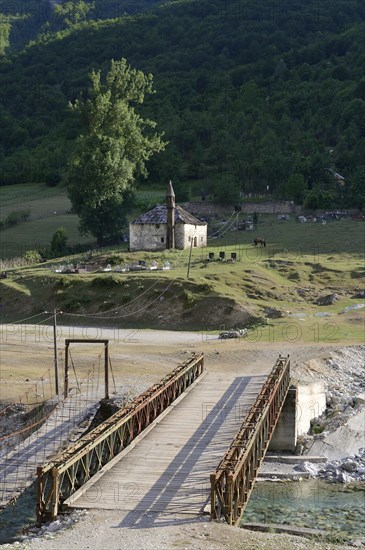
(317, 429)
(189, 298)
(144, 205)
(64, 282)
(15, 217)
(114, 259)
(32, 257)
(106, 281)
(182, 192)
(71, 304)
(59, 242)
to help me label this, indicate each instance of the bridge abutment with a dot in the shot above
(285, 435)
(303, 403)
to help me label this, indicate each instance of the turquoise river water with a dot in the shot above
(312, 503)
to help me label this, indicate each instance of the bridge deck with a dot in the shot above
(168, 471)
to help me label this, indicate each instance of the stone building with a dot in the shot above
(167, 226)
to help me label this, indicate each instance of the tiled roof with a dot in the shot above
(159, 215)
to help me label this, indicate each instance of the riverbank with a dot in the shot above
(95, 531)
(339, 433)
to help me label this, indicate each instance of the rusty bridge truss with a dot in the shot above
(69, 470)
(233, 480)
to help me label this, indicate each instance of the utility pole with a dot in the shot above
(236, 228)
(55, 350)
(170, 213)
(191, 248)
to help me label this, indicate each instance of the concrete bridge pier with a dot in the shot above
(302, 404)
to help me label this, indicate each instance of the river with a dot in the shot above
(315, 504)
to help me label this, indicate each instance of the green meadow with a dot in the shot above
(49, 209)
(301, 263)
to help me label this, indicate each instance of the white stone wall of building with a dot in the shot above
(184, 233)
(153, 236)
(147, 237)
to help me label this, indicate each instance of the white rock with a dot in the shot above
(54, 526)
(345, 478)
(350, 466)
(307, 467)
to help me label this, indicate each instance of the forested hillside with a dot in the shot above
(250, 95)
(21, 22)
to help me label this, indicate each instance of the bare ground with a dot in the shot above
(99, 530)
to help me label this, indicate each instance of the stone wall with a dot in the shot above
(147, 236)
(184, 233)
(151, 236)
(270, 207)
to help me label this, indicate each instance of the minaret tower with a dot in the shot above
(170, 206)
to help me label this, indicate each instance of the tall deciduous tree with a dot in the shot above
(112, 151)
(73, 11)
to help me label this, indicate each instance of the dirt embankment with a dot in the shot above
(157, 303)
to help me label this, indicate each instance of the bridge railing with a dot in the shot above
(233, 480)
(58, 479)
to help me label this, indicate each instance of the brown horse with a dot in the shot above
(259, 241)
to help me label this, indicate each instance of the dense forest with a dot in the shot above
(252, 97)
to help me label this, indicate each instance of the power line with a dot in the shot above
(127, 314)
(43, 321)
(220, 229)
(227, 229)
(97, 315)
(26, 318)
(115, 308)
(225, 223)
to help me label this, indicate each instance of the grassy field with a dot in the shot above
(37, 234)
(301, 263)
(277, 276)
(42, 201)
(49, 209)
(294, 240)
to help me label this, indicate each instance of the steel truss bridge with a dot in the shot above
(215, 423)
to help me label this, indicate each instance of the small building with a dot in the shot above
(167, 226)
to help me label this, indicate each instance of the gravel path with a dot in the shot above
(98, 531)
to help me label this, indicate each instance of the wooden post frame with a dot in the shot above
(70, 341)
